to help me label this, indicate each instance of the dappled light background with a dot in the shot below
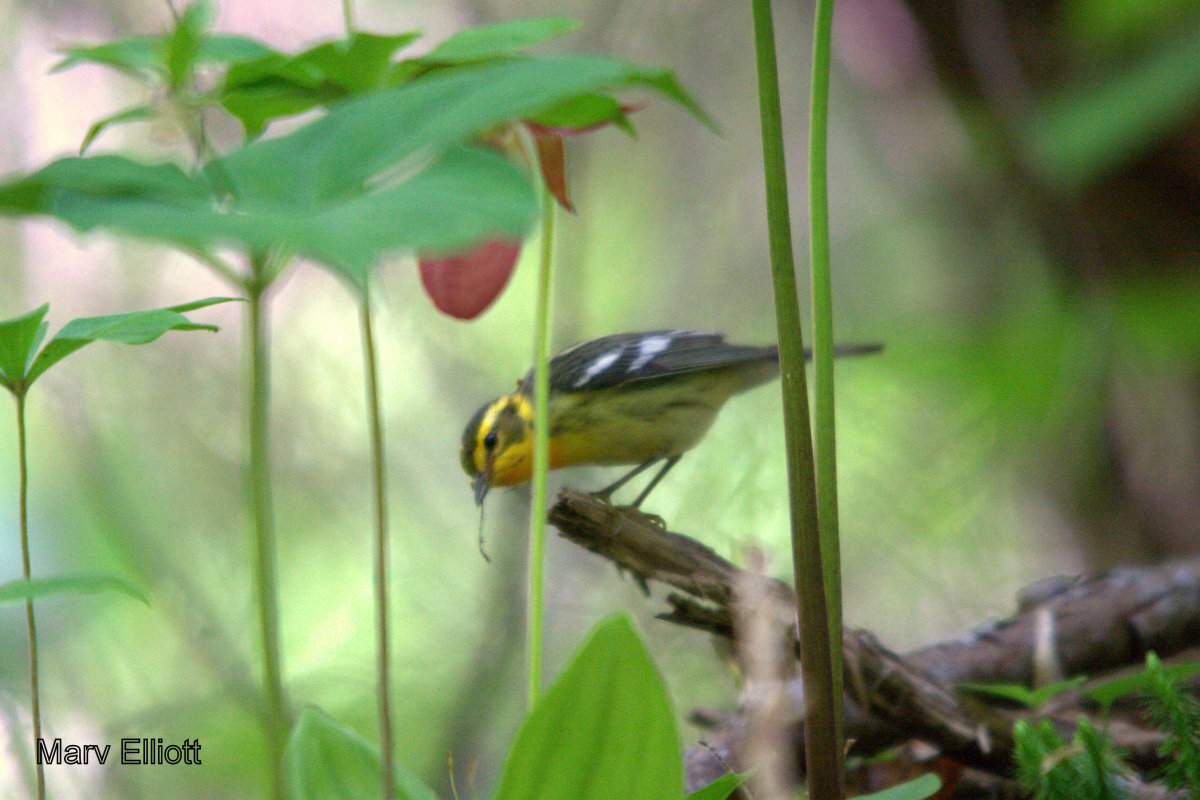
(1036, 411)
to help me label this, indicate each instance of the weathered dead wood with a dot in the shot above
(1062, 627)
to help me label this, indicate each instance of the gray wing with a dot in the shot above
(627, 357)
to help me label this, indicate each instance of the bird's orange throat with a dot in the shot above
(517, 464)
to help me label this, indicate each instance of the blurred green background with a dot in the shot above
(1015, 197)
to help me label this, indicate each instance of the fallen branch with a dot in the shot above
(1062, 627)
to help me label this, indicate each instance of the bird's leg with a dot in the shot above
(607, 491)
(672, 461)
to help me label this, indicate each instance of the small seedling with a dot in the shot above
(22, 361)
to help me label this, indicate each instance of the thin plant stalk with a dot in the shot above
(263, 269)
(822, 304)
(383, 670)
(823, 751)
(30, 622)
(541, 449)
(382, 556)
(262, 512)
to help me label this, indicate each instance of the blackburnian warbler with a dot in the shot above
(630, 398)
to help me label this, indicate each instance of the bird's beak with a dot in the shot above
(483, 482)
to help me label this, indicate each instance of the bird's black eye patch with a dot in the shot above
(490, 440)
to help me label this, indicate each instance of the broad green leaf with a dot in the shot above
(359, 63)
(719, 789)
(583, 112)
(666, 84)
(1110, 26)
(467, 195)
(135, 327)
(392, 158)
(145, 57)
(184, 308)
(158, 202)
(278, 85)
(257, 106)
(338, 153)
(37, 344)
(228, 49)
(327, 761)
(603, 730)
(132, 114)
(1110, 691)
(1083, 132)
(1159, 316)
(18, 342)
(183, 43)
(916, 789)
(102, 176)
(140, 56)
(274, 70)
(499, 40)
(1030, 698)
(22, 590)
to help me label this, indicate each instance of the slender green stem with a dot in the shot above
(382, 557)
(541, 449)
(258, 478)
(823, 751)
(381, 549)
(34, 693)
(822, 297)
(259, 484)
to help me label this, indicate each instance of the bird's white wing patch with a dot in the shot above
(596, 367)
(648, 348)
